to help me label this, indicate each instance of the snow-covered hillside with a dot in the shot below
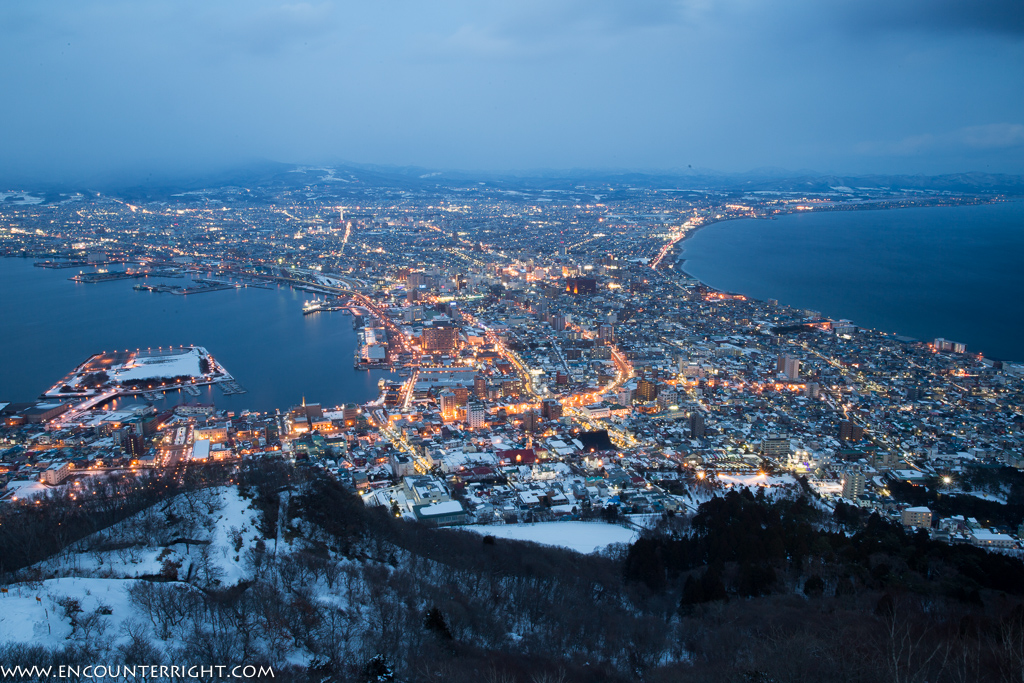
(582, 537)
(197, 539)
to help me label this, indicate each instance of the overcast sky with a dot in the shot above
(927, 86)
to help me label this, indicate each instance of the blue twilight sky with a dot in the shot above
(927, 86)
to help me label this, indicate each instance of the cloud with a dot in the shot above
(992, 136)
(985, 16)
(989, 137)
(728, 84)
(538, 28)
(259, 28)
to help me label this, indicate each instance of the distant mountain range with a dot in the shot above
(271, 175)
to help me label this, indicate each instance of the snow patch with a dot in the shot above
(581, 537)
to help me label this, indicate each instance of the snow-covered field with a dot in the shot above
(755, 481)
(180, 365)
(583, 537)
(28, 489)
(985, 495)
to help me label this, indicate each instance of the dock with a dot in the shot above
(231, 387)
(111, 276)
(61, 264)
(318, 306)
(92, 278)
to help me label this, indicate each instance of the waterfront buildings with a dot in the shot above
(541, 367)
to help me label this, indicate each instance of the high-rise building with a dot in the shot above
(440, 338)
(853, 484)
(606, 333)
(646, 390)
(551, 409)
(531, 420)
(480, 386)
(511, 387)
(476, 414)
(947, 345)
(850, 431)
(697, 429)
(788, 366)
(448, 405)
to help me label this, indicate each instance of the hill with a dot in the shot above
(272, 566)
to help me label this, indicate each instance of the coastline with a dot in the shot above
(867, 206)
(245, 329)
(680, 265)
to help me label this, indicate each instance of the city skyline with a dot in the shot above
(471, 341)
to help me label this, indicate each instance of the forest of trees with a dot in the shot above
(747, 590)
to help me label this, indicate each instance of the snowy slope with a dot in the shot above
(582, 537)
(25, 619)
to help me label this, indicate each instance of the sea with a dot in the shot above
(955, 272)
(280, 356)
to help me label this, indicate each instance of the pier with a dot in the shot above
(318, 306)
(230, 387)
(61, 264)
(110, 276)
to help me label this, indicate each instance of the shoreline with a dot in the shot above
(679, 261)
(978, 201)
(265, 378)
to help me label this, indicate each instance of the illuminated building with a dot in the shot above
(580, 286)
(947, 345)
(775, 447)
(511, 387)
(476, 414)
(850, 431)
(853, 484)
(788, 366)
(440, 338)
(551, 409)
(448, 404)
(646, 390)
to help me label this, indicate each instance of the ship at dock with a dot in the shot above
(326, 305)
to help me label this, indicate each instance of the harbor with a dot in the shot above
(201, 286)
(325, 306)
(248, 334)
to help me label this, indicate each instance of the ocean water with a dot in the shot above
(48, 325)
(952, 272)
